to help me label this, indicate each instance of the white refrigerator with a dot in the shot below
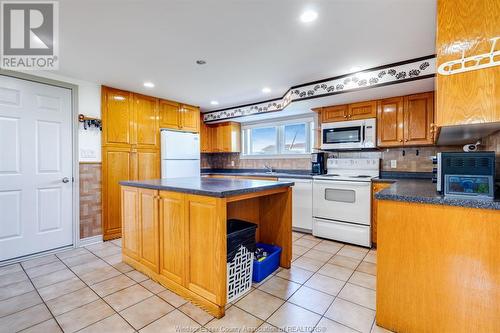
(180, 154)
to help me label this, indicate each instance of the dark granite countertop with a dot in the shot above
(296, 174)
(424, 191)
(213, 187)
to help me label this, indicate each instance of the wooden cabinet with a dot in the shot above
(362, 110)
(221, 138)
(333, 113)
(474, 96)
(173, 236)
(145, 164)
(376, 187)
(146, 134)
(406, 121)
(117, 115)
(179, 116)
(205, 137)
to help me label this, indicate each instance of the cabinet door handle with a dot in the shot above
(400, 140)
(406, 140)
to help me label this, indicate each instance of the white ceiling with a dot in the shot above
(248, 44)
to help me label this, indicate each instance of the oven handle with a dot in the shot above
(363, 134)
(340, 182)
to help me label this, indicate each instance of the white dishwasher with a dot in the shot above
(302, 204)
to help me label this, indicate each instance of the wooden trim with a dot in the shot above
(86, 162)
(256, 194)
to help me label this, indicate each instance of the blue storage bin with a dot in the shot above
(264, 268)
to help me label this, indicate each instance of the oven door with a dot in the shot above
(339, 137)
(344, 201)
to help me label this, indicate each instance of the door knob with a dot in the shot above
(65, 180)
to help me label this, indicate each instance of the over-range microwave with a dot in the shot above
(354, 134)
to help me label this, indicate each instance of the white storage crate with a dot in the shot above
(239, 274)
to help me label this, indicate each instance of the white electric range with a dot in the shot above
(342, 200)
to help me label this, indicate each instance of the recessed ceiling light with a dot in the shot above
(214, 103)
(308, 16)
(355, 69)
(201, 62)
(266, 90)
(149, 84)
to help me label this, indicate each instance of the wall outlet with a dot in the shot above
(232, 163)
(87, 153)
(394, 164)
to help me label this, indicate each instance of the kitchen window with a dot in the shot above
(280, 139)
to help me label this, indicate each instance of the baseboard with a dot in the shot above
(89, 240)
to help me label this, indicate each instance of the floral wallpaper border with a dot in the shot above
(371, 78)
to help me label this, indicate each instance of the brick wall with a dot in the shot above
(90, 199)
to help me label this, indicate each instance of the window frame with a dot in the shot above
(280, 138)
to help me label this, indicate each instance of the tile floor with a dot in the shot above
(330, 287)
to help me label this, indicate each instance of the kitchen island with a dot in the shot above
(438, 260)
(174, 230)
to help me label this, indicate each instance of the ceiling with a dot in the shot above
(247, 44)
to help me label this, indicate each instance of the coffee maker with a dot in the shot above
(318, 163)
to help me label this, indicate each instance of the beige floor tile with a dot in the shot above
(152, 286)
(124, 298)
(61, 288)
(318, 255)
(359, 295)
(15, 289)
(123, 267)
(84, 316)
(308, 264)
(85, 258)
(364, 280)
(351, 315)
(113, 324)
(378, 329)
(108, 251)
(51, 278)
(39, 261)
(10, 269)
(328, 246)
(295, 257)
(112, 285)
(295, 274)
(114, 259)
(299, 250)
(235, 318)
(306, 242)
(343, 261)
(292, 317)
(145, 312)
(24, 319)
(325, 284)
(279, 287)
(197, 314)
(353, 252)
(89, 267)
(117, 242)
(54, 266)
(172, 298)
(71, 301)
(72, 253)
(268, 328)
(371, 257)
(136, 276)
(14, 277)
(18, 303)
(367, 267)
(311, 237)
(257, 284)
(311, 299)
(334, 271)
(260, 304)
(175, 321)
(297, 235)
(100, 274)
(48, 326)
(327, 325)
(99, 246)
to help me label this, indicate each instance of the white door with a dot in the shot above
(302, 203)
(35, 168)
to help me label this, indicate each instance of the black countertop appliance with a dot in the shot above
(318, 163)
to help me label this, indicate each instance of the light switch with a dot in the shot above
(394, 164)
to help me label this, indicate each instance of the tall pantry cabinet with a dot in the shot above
(130, 148)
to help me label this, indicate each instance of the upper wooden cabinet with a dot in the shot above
(221, 138)
(362, 110)
(118, 116)
(404, 121)
(205, 137)
(333, 113)
(179, 116)
(474, 96)
(146, 134)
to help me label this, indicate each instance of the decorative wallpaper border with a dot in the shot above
(415, 69)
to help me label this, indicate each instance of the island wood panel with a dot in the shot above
(173, 236)
(419, 119)
(206, 259)
(149, 228)
(376, 187)
(246, 210)
(390, 122)
(131, 239)
(470, 97)
(437, 268)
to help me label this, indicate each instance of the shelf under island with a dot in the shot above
(174, 230)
